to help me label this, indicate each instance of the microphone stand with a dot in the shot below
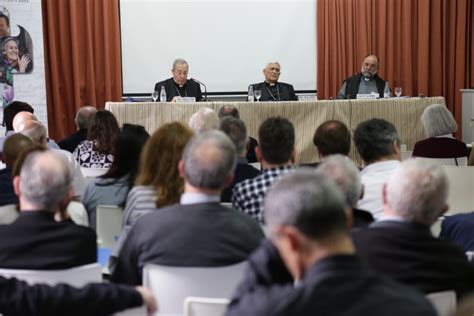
(205, 99)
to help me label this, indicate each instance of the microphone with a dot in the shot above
(205, 89)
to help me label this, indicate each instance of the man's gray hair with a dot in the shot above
(209, 157)
(437, 120)
(345, 174)
(236, 130)
(205, 119)
(272, 62)
(179, 61)
(84, 116)
(417, 191)
(44, 180)
(308, 201)
(36, 131)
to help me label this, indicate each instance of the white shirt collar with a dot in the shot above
(195, 198)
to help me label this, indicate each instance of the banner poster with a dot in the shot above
(22, 74)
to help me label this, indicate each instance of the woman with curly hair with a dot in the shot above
(98, 150)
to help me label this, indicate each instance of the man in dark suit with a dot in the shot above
(366, 82)
(345, 175)
(271, 89)
(179, 85)
(237, 132)
(198, 231)
(83, 118)
(35, 240)
(308, 266)
(400, 244)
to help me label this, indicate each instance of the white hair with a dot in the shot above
(417, 191)
(345, 174)
(179, 61)
(205, 119)
(437, 120)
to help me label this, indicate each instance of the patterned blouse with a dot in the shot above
(89, 158)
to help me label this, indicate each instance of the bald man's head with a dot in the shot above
(20, 119)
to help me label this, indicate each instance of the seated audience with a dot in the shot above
(439, 126)
(37, 132)
(309, 265)
(276, 154)
(204, 119)
(112, 188)
(237, 132)
(459, 229)
(230, 110)
(12, 148)
(83, 118)
(331, 138)
(400, 244)
(378, 144)
(98, 150)
(366, 82)
(345, 174)
(19, 298)
(271, 88)
(198, 232)
(36, 240)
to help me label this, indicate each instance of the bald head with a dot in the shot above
(84, 116)
(13, 146)
(44, 181)
(20, 119)
(36, 131)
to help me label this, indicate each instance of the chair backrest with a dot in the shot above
(455, 162)
(109, 225)
(78, 213)
(93, 172)
(171, 285)
(77, 277)
(8, 214)
(204, 306)
(256, 165)
(443, 302)
(461, 188)
(404, 155)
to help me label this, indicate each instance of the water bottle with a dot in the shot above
(162, 94)
(250, 95)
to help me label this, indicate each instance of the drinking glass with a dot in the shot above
(155, 95)
(398, 91)
(258, 95)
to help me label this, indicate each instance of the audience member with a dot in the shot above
(112, 188)
(366, 82)
(22, 118)
(230, 110)
(179, 85)
(345, 174)
(459, 229)
(98, 150)
(439, 126)
(276, 154)
(271, 89)
(309, 266)
(237, 132)
(19, 298)
(37, 132)
(331, 138)
(9, 113)
(198, 231)
(401, 245)
(378, 144)
(35, 240)
(13, 146)
(204, 119)
(83, 119)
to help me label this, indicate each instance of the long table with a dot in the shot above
(404, 113)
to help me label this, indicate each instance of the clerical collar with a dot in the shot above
(273, 91)
(182, 91)
(271, 84)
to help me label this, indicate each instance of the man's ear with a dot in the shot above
(362, 191)
(16, 185)
(258, 154)
(293, 155)
(181, 168)
(384, 194)
(396, 150)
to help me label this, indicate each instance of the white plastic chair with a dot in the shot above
(8, 214)
(461, 189)
(256, 165)
(171, 285)
(77, 277)
(404, 155)
(443, 302)
(78, 213)
(93, 172)
(461, 161)
(204, 306)
(109, 225)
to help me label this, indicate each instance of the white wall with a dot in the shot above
(226, 42)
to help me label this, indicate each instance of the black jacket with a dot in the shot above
(193, 89)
